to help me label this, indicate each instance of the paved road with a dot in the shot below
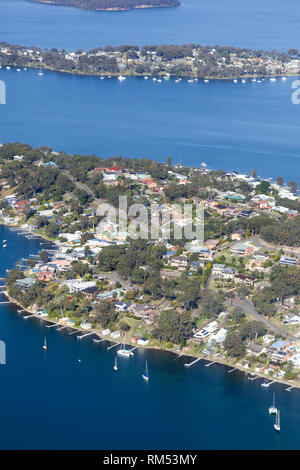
(249, 308)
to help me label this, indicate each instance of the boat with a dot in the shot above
(244, 81)
(273, 409)
(4, 246)
(283, 79)
(146, 78)
(206, 80)
(121, 78)
(124, 352)
(18, 70)
(41, 74)
(116, 364)
(145, 375)
(277, 423)
(8, 67)
(272, 79)
(264, 384)
(4, 241)
(45, 345)
(235, 81)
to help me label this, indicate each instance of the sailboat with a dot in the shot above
(273, 409)
(145, 375)
(116, 364)
(277, 423)
(45, 344)
(124, 351)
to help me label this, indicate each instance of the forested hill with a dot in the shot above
(112, 4)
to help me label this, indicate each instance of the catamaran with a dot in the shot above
(45, 344)
(145, 375)
(273, 409)
(277, 424)
(124, 351)
(116, 364)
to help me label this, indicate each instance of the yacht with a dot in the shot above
(277, 423)
(273, 409)
(145, 375)
(124, 352)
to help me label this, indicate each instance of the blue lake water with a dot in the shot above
(229, 126)
(257, 24)
(51, 401)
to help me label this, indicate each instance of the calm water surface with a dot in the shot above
(229, 126)
(256, 24)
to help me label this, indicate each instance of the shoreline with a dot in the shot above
(137, 7)
(159, 76)
(208, 359)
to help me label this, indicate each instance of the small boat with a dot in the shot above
(45, 345)
(116, 364)
(277, 423)
(18, 70)
(40, 74)
(272, 79)
(244, 81)
(235, 81)
(8, 67)
(190, 81)
(273, 409)
(4, 246)
(146, 78)
(283, 79)
(4, 241)
(159, 80)
(145, 375)
(121, 78)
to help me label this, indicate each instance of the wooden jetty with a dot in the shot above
(189, 364)
(113, 346)
(85, 335)
(232, 370)
(210, 364)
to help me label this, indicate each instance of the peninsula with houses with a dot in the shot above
(111, 5)
(232, 298)
(159, 62)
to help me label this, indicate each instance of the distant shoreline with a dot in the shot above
(134, 7)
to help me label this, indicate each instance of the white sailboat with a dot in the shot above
(145, 375)
(277, 423)
(273, 409)
(116, 364)
(124, 351)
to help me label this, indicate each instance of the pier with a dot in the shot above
(61, 328)
(28, 316)
(85, 335)
(289, 389)
(51, 326)
(210, 364)
(232, 370)
(74, 332)
(189, 364)
(113, 346)
(98, 340)
(265, 384)
(133, 348)
(253, 378)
